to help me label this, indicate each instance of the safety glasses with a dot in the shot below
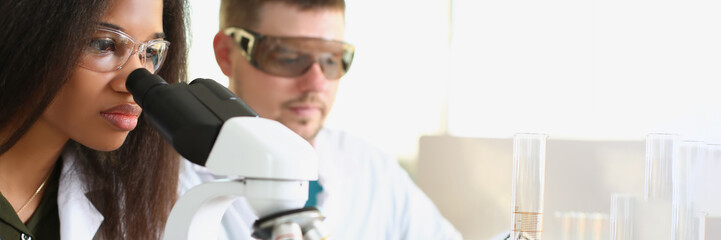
(109, 50)
(293, 56)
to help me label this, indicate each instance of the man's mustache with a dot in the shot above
(311, 99)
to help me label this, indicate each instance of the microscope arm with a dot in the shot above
(197, 215)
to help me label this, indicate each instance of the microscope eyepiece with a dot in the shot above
(188, 116)
(140, 81)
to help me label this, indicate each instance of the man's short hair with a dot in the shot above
(245, 13)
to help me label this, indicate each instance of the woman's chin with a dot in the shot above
(107, 144)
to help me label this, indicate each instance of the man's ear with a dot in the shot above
(222, 45)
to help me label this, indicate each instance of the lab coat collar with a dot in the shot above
(79, 219)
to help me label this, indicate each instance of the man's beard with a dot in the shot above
(308, 99)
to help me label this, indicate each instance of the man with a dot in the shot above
(284, 58)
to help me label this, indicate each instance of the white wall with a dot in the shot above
(396, 88)
(204, 25)
(586, 69)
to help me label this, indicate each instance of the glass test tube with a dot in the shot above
(623, 217)
(582, 225)
(654, 212)
(683, 225)
(700, 225)
(713, 189)
(700, 178)
(565, 223)
(599, 226)
(529, 165)
(659, 157)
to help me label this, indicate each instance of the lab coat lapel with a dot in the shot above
(79, 219)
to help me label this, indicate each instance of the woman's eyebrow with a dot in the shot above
(110, 25)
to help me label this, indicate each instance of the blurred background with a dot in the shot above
(444, 84)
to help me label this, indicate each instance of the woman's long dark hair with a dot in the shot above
(133, 187)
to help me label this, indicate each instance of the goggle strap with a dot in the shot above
(348, 57)
(245, 40)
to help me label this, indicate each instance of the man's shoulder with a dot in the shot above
(353, 150)
(344, 141)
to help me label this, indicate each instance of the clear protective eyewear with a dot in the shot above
(293, 56)
(109, 50)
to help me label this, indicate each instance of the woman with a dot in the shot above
(76, 160)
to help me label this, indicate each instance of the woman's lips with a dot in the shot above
(124, 116)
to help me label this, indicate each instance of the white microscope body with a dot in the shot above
(271, 170)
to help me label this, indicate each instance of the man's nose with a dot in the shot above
(313, 80)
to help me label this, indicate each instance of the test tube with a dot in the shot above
(683, 225)
(529, 165)
(700, 225)
(655, 209)
(623, 216)
(582, 225)
(659, 157)
(700, 178)
(598, 226)
(713, 190)
(564, 222)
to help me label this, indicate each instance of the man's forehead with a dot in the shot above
(281, 19)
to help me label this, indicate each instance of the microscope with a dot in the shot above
(262, 160)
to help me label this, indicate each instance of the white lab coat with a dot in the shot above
(366, 195)
(79, 219)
